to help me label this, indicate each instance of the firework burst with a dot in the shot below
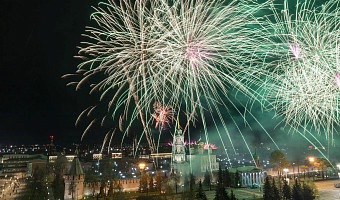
(121, 50)
(187, 54)
(204, 50)
(306, 77)
(163, 115)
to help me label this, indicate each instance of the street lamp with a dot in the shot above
(141, 166)
(311, 160)
(286, 170)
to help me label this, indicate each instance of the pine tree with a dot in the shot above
(307, 192)
(207, 180)
(186, 183)
(276, 193)
(101, 188)
(297, 191)
(175, 179)
(151, 187)
(200, 194)
(237, 179)
(280, 186)
(232, 196)
(221, 193)
(268, 193)
(118, 194)
(226, 178)
(110, 192)
(143, 182)
(159, 181)
(287, 194)
(187, 194)
(312, 186)
(192, 182)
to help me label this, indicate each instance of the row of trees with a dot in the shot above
(279, 162)
(147, 183)
(169, 184)
(43, 176)
(56, 173)
(36, 186)
(224, 180)
(228, 179)
(281, 190)
(102, 173)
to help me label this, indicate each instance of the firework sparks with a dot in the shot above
(194, 143)
(202, 61)
(212, 146)
(163, 114)
(305, 93)
(187, 54)
(122, 50)
(295, 49)
(337, 79)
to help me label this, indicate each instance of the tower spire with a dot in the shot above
(76, 152)
(178, 126)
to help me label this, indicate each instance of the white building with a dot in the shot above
(197, 162)
(178, 148)
(249, 175)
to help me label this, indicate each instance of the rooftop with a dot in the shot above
(76, 168)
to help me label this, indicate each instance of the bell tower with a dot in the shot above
(178, 147)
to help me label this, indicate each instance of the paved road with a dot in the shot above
(7, 188)
(13, 193)
(327, 190)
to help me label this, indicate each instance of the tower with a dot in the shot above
(51, 147)
(178, 147)
(74, 181)
(256, 158)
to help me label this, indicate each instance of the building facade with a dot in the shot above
(249, 175)
(22, 165)
(197, 162)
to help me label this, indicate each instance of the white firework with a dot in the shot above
(178, 53)
(305, 89)
(121, 49)
(207, 48)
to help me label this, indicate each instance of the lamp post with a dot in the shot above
(311, 160)
(286, 170)
(141, 166)
(142, 178)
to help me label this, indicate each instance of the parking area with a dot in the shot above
(327, 190)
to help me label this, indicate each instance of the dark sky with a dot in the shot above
(38, 42)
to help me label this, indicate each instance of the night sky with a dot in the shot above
(38, 41)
